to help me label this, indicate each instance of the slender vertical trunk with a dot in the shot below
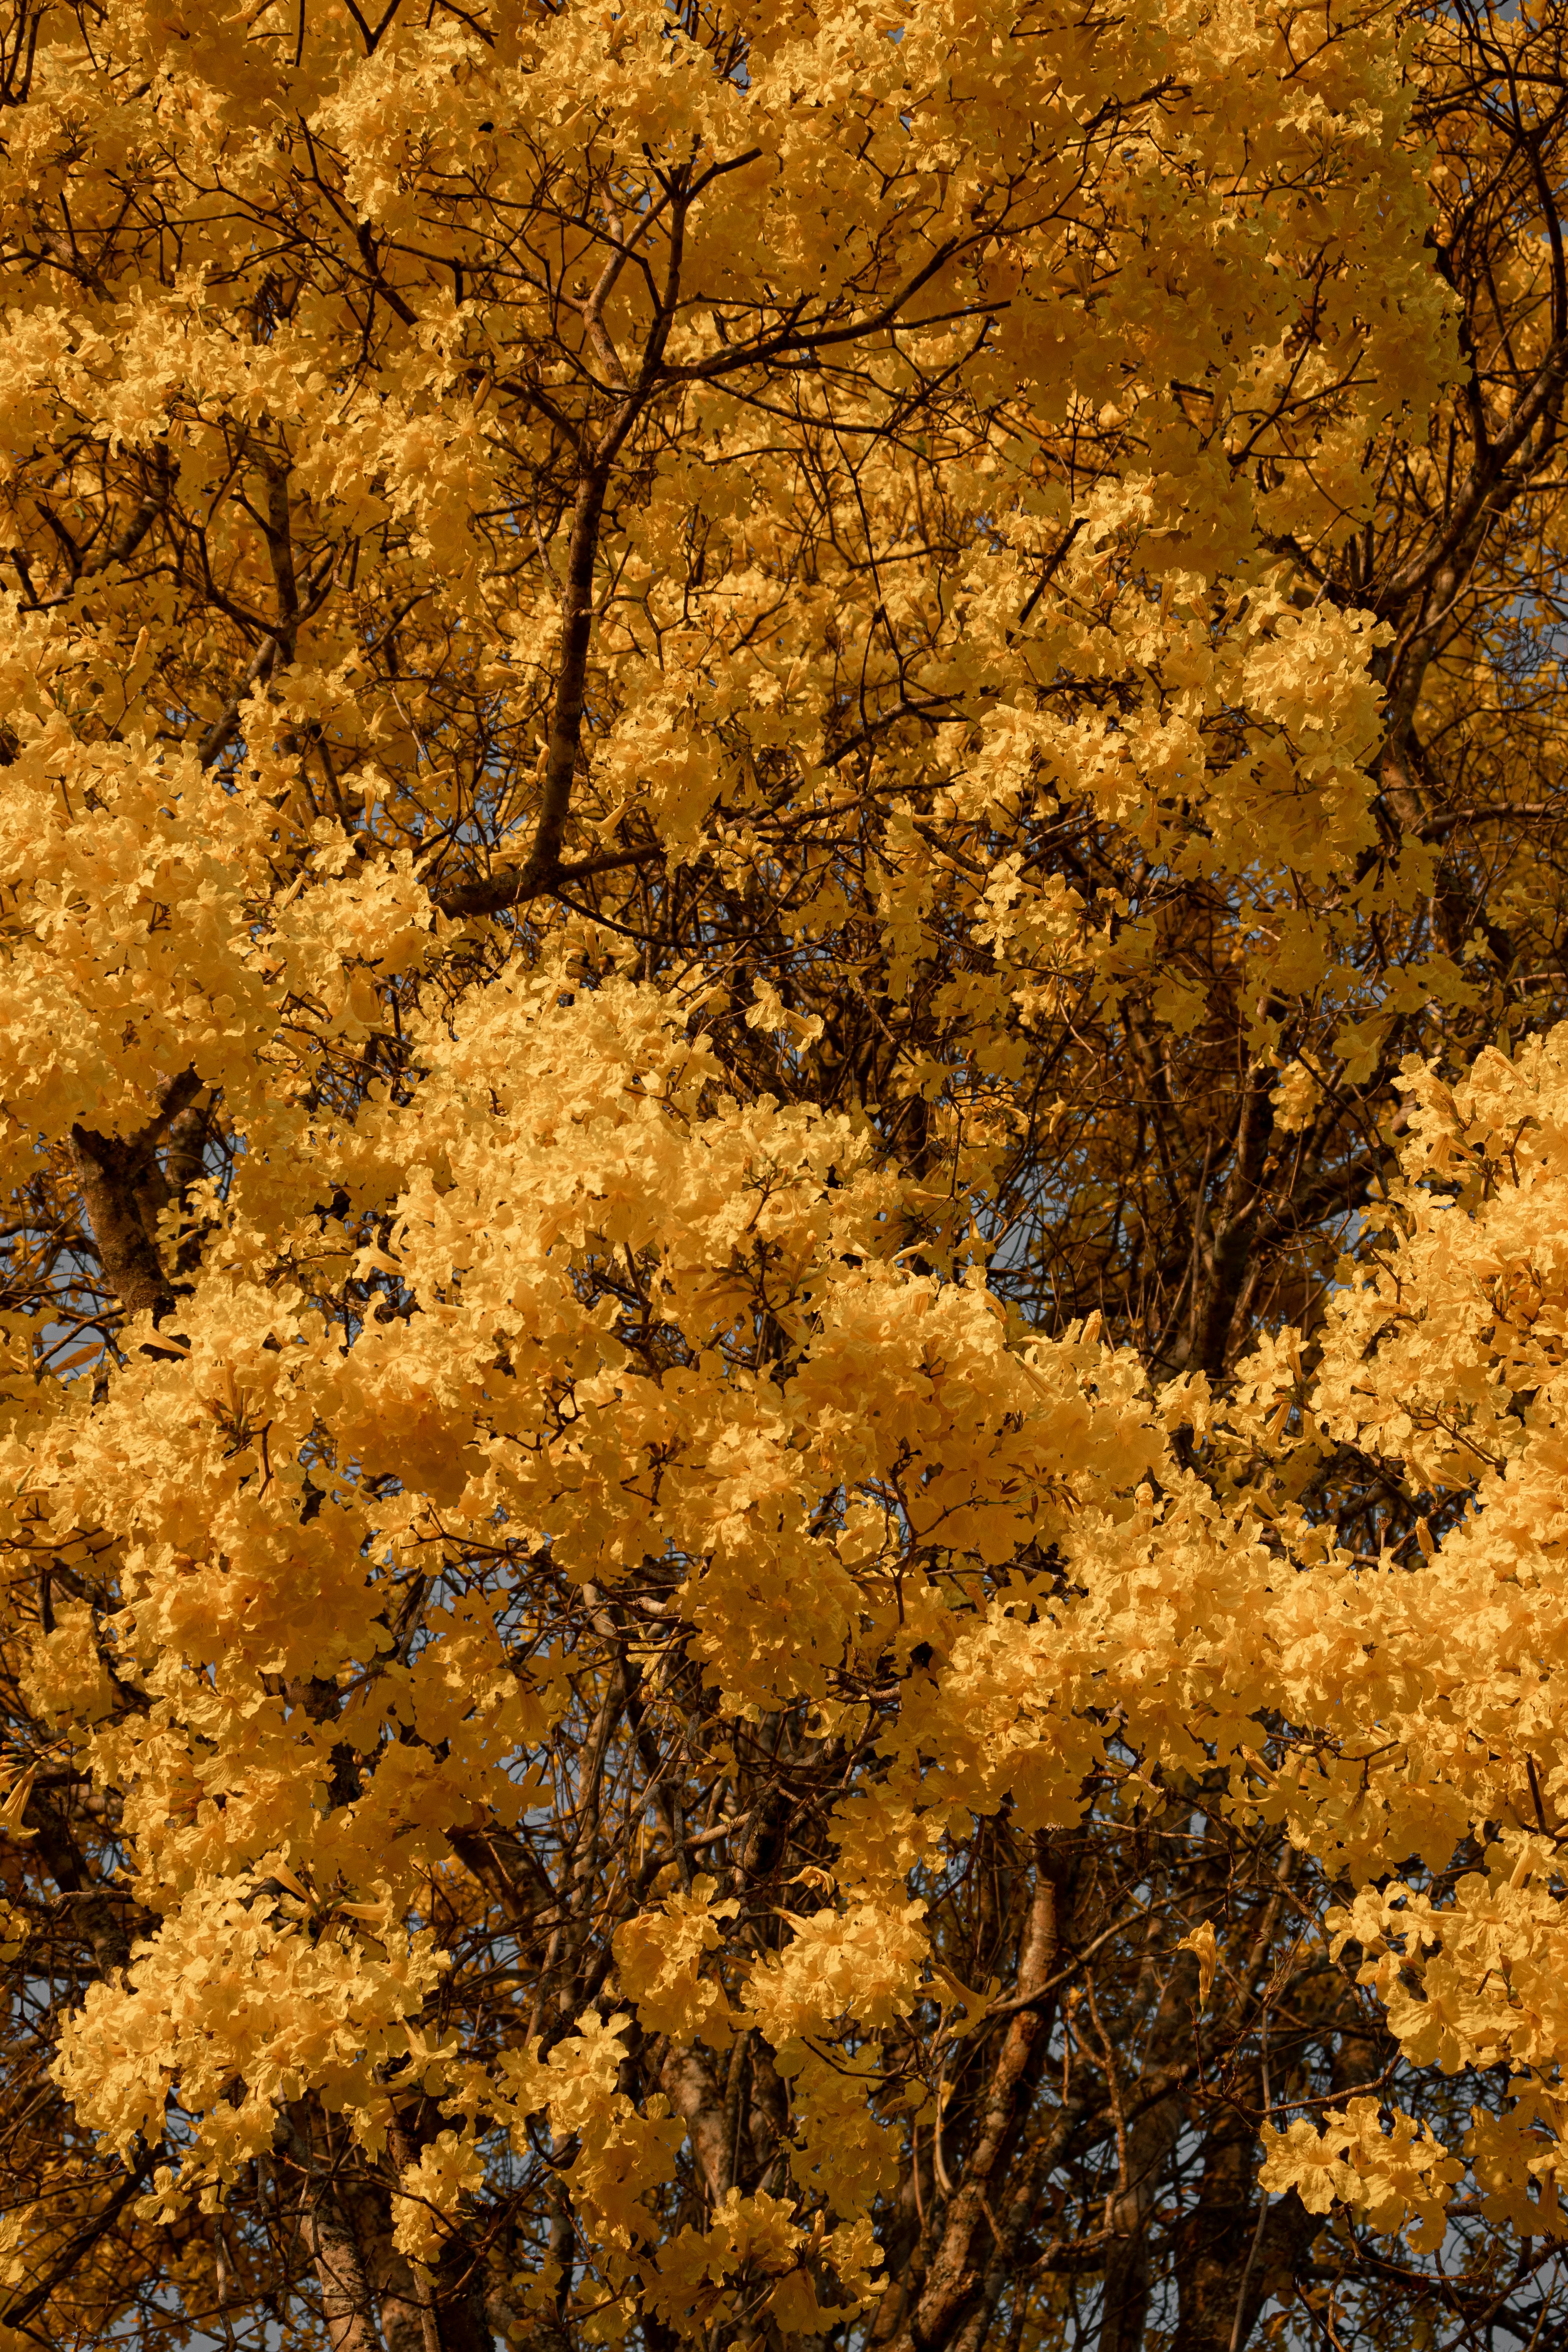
(330, 2242)
(955, 2281)
(1149, 2142)
(1229, 2255)
(340, 2275)
(1125, 2310)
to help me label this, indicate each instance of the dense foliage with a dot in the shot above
(784, 1420)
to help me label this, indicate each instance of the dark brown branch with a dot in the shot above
(74, 2250)
(955, 2279)
(113, 1171)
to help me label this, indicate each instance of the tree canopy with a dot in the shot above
(784, 1101)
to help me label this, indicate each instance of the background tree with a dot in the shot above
(781, 924)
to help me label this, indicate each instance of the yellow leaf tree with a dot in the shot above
(784, 1298)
